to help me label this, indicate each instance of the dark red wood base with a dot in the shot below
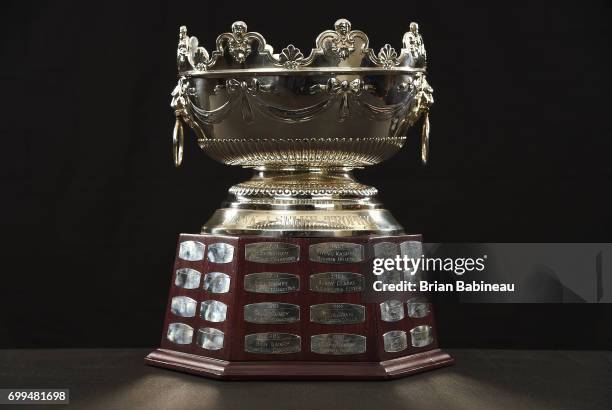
(247, 307)
(279, 370)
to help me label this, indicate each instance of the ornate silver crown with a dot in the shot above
(338, 48)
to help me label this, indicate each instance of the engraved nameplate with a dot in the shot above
(272, 252)
(336, 282)
(337, 313)
(272, 343)
(271, 282)
(271, 313)
(338, 343)
(395, 341)
(336, 252)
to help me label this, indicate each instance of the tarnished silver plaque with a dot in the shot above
(210, 338)
(216, 282)
(412, 249)
(386, 250)
(187, 278)
(418, 308)
(271, 312)
(272, 252)
(391, 310)
(395, 341)
(271, 282)
(338, 343)
(180, 333)
(272, 343)
(336, 282)
(183, 306)
(337, 313)
(191, 251)
(213, 311)
(336, 252)
(421, 336)
(220, 252)
(391, 277)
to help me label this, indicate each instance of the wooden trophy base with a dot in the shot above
(222, 369)
(246, 307)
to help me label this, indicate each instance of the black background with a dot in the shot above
(92, 205)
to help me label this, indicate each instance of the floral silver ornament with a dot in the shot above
(291, 57)
(388, 56)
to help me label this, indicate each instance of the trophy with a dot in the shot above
(274, 285)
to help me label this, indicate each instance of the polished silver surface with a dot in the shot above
(418, 308)
(338, 344)
(216, 282)
(337, 313)
(183, 306)
(210, 338)
(220, 252)
(391, 310)
(272, 252)
(272, 343)
(302, 120)
(187, 278)
(191, 251)
(271, 282)
(213, 311)
(271, 313)
(180, 333)
(395, 341)
(337, 282)
(336, 252)
(421, 336)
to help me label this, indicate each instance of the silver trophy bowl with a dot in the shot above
(302, 122)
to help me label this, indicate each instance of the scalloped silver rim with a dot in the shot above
(333, 49)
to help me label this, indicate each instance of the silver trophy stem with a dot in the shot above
(323, 202)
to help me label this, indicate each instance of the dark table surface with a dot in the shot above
(480, 379)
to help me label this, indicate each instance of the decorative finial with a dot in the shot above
(342, 26)
(239, 28)
(414, 43)
(343, 44)
(238, 45)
